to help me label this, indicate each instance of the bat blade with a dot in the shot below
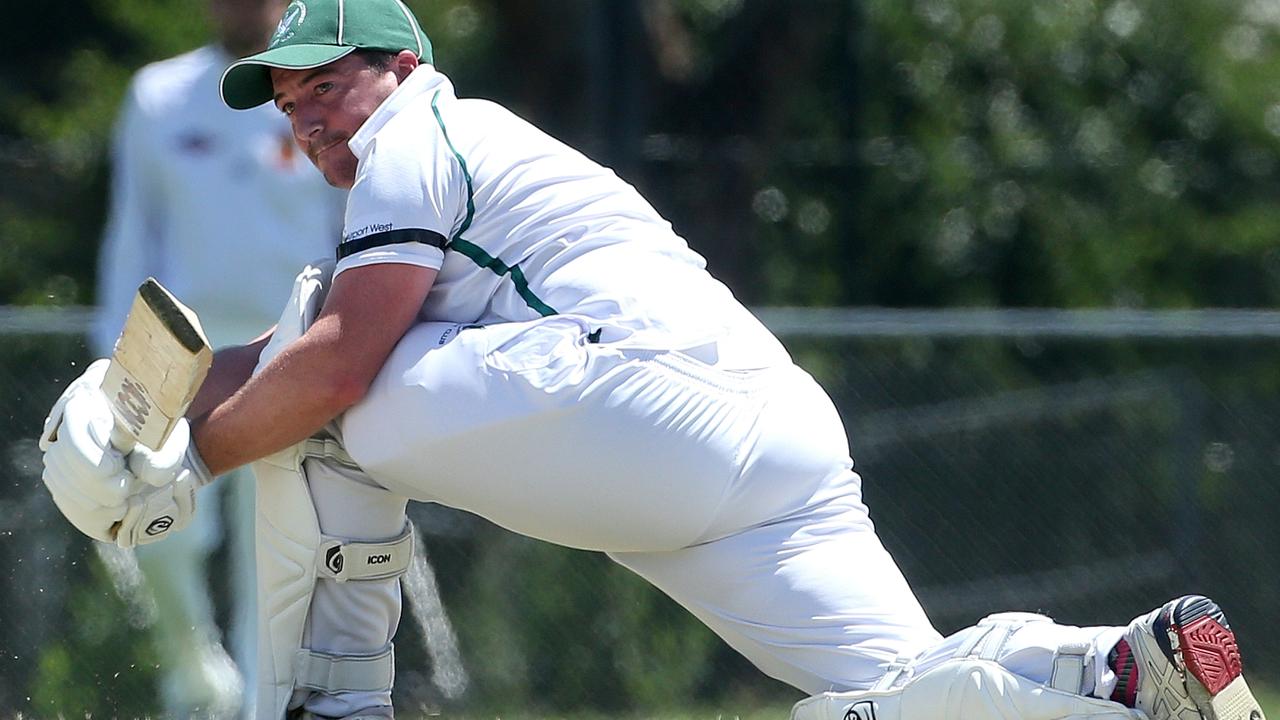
(159, 362)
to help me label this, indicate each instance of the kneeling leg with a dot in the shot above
(331, 548)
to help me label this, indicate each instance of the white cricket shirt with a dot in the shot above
(520, 225)
(219, 204)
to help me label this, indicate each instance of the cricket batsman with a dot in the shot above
(510, 329)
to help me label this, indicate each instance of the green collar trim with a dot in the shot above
(476, 253)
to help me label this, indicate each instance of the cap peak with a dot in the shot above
(312, 33)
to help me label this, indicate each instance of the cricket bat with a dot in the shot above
(159, 362)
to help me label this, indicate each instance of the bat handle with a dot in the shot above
(121, 439)
(124, 442)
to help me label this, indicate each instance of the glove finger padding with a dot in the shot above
(79, 459)
(163, 466)
(91, 379)
(168, 479)
(93, 520)
(85, 475)
(157, 512)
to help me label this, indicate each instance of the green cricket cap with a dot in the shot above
(312, 33)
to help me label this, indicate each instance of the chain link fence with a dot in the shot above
(1087, 465)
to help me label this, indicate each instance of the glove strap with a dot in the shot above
(196, 465)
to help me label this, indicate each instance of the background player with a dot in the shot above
(196, 186)
(614, 397)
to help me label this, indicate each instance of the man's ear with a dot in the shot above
(404, 63)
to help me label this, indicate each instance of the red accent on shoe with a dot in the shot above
(1210, 653)
(1125, 666)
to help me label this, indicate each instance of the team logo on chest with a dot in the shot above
(293, 18)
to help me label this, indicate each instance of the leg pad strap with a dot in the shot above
(342, 560)
(345, 673)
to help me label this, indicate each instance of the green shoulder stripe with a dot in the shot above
(475, 252)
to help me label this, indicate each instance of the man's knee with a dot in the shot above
(967, 688)
(331, 549)
(970, 683)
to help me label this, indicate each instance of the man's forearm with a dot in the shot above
(319, 375)
(232, 368)
(293, 397)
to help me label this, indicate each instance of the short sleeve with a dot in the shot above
(408, 196)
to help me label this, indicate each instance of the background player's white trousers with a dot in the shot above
(727, 486)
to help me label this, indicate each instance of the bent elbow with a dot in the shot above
(345, 391)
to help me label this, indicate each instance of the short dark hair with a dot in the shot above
(376, 59)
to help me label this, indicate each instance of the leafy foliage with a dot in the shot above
(930, 152)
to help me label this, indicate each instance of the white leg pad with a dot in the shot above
(286, 529)
(313, 649)
(328, 574)
(961, 689)
(287, 535)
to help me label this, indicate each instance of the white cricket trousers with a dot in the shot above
(729, 489)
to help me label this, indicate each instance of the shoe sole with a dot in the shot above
(1201, 644)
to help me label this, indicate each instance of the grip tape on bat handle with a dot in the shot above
(121, 439)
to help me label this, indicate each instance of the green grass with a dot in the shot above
(778, 712)
(1268, 695)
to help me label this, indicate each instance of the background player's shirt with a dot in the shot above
(519, 226)
(219, 204)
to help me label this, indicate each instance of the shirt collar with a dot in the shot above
(421, 81)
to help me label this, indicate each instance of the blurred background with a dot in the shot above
(1031, 248)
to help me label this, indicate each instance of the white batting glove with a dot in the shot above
(85, 475)
(166, 496)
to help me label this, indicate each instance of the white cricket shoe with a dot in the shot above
(1182, 663)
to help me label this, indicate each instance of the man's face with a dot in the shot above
(244, 26)
(326, 105)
